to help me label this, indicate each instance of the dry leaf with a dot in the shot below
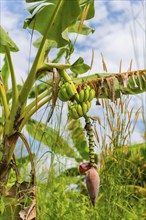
(29, 212)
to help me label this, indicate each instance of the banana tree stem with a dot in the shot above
(31, 77)
(4, 99)
(28, 116)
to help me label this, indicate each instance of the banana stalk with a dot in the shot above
(4, 99)
(89, 130)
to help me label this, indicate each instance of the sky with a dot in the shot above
(120, 34)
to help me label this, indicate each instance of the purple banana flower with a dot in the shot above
(84, 167)
(92, 180)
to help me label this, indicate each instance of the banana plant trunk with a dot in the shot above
(5, 165)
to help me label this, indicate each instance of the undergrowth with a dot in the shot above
(122, 191)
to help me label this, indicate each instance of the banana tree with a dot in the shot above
(63, 82)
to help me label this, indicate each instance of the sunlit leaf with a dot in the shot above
(85, 30)
(66, 16)
(6, 41)
(79, 66)
(33, 7)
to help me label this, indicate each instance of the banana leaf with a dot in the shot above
(50, 137)
(78, 137)
(6, 41)
(66, 17)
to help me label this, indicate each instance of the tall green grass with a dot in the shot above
(122, 191)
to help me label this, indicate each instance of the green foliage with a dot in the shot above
(78, 137)
(119, 197)
(66, 20)
(58, 31)
(50, 137)
(90, 5)
(60, 201)
(122, 175)
(2, 207)
(85, 30)
(122, 185)
(79, 67)
(5, 41)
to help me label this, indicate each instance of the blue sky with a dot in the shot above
(120, 33)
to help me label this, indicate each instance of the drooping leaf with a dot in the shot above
(6, 41)
(50, 137)
(33, 7)
(85, 30)
(99, 83)
(79, 66)
(66, 16)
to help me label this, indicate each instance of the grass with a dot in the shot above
(122, 191)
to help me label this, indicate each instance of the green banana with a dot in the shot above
(79, 110)
(91, 95)
(73, 113)
(75, 103)
(81, 96)
(64, 93)
(61, 97)
(86, 93)
(69, 89)
(88, 105)
(61, 83)
(76, 97)
(84, 108)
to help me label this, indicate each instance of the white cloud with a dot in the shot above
(7, 19)
(114, 39)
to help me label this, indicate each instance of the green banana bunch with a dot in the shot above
(67, 91)
(86, 94)
(79, 110)
(82, 102)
